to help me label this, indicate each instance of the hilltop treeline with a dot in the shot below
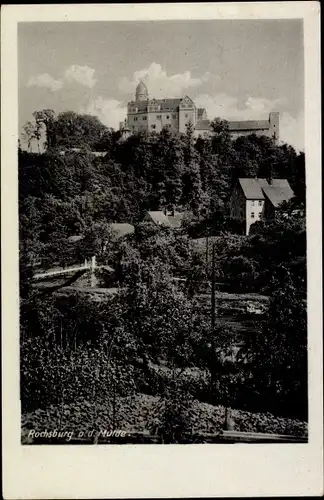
(75, 347)
(61, 195)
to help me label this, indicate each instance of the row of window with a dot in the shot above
(260, 203)
(159, 117)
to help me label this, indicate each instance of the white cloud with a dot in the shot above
(160, 84)
(109, 111)
(292, 130)
(45, 80)
(226, 106)
(75, 73)
(80, 74)
(255, 108)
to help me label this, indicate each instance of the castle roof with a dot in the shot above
(256, 189)
(201, 112)
(171, 104)
(203, 125)
(248, 125)
(165, 104)
(141, 88)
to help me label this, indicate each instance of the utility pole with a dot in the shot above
(207, 238)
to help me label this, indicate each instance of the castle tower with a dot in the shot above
(141, 92)
(125, 131)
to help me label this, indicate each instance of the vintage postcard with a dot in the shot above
(161, 177)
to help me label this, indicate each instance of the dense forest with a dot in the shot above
(77, 348)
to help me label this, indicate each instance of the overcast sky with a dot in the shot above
(236, 69)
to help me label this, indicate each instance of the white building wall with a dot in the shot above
(254, 210)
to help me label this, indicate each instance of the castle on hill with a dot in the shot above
(152, 115)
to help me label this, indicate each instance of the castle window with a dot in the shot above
(153, 126)
(144, 117)
(135, 119)
(167, 117)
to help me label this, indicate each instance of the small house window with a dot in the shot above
(144, 117)
(252, 215)
(253, 203)
(174, 116)
(135, 119)
(167, 117)
(153, 126)
(158, 117)
(260, 203)
(186, 115)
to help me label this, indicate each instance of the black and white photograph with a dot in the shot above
(163, 234)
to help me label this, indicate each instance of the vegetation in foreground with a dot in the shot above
(133, 346)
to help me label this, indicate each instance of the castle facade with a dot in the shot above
(152, 115)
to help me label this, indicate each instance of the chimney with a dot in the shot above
(269, 178)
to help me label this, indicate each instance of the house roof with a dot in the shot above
(176, 219)
(75, 238)
(248, 125)
(203, 125)
(159, 217)
(121, 228)
(252, 188)
(278, 194)
(256, 189)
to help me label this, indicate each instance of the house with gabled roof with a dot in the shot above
(121, 229)
(167, 218)
(158, 217)
(255, 198)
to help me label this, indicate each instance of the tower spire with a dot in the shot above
(141, 92)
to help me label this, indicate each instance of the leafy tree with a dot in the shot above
(29, 134)
(45, 121)
(281, 351)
